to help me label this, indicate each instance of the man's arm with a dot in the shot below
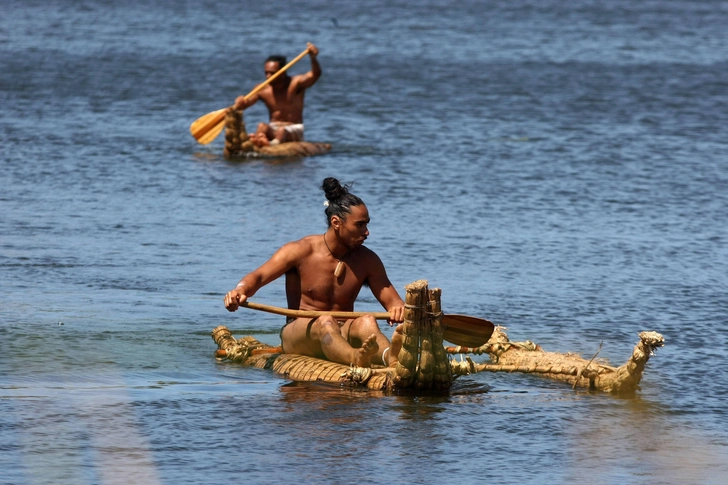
(383, 290)
(241, 102)
(281, 261)
(305, 81)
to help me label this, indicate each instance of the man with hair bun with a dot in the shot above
(325, 272)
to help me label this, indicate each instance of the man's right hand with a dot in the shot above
(240, 103)
(234, 299)
(396, 315)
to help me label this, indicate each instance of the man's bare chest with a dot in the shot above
(320, 285)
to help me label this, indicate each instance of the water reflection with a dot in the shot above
(630, 436)
(397, 429)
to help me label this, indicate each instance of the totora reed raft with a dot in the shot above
(530, 358)
(237, 143)
(425, 364)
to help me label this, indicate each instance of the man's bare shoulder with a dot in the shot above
(297, 78)
(302, 247)
(366, 255)
(301, 82)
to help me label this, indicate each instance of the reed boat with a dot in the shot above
(427, 365)
(239, 145)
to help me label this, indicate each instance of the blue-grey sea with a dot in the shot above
(557, 167)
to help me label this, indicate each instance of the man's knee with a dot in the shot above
(366, 325)
(327, 324)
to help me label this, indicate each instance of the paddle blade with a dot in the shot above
(212, 134)
(207, 127)
(466, 331)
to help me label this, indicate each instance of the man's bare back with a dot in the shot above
(325, 272)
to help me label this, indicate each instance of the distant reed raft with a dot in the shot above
(238, 144)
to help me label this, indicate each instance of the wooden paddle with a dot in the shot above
(207, 127)
(462, 330)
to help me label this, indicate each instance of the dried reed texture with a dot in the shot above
(527, 357)
(426, 367)
(416, 299)
(442, 379)
(238, 144)
(293, 149)
(423, 363)
(235, 134)
(251, 352)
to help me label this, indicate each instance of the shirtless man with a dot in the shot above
(325, 272)
(284, 99)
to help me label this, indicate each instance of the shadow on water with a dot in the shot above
(321, 397)
(312, 391)
(248, 158)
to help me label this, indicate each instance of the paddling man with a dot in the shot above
(325, 272)
(284, 99)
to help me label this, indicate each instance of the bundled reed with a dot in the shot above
(238, 144)
(425, 364)
(530, 358)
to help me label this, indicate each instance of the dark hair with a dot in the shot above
(340, 199)
(281, 60)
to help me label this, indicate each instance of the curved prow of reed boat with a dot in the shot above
(593, 374)
(238, 144)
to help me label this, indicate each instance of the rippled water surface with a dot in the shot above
(559, 168)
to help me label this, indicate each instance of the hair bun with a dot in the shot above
(333, 189)
(339, 200)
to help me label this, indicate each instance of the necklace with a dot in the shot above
(340, 265)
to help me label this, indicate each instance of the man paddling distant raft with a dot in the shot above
(284, 99)
(325, 272)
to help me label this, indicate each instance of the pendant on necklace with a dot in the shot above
(340, 265)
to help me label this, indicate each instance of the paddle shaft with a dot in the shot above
(312, 313)
(461, 330)
(278, 73)
(212, 122)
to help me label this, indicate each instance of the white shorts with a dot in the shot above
(295, 131)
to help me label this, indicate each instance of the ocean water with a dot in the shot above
(560, 168)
